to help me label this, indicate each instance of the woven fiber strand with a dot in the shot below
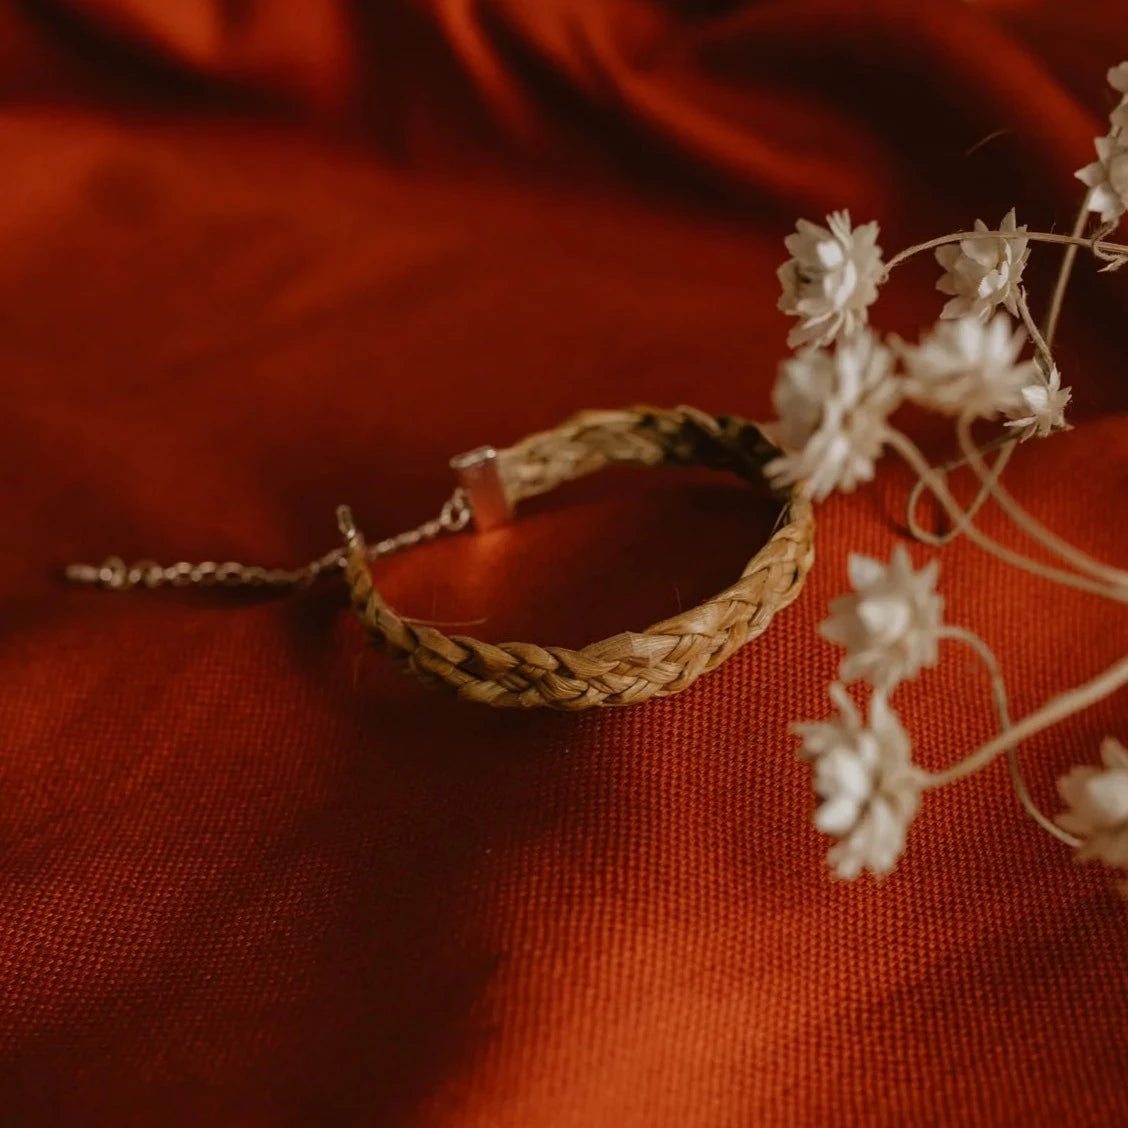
(631, 667)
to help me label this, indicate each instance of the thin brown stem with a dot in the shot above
(1066, 271)
(938, 540)
(1097, 246)
(1030, 525)
(1041, 348)
(1051, 713)
(912, 455)
(1002, 707)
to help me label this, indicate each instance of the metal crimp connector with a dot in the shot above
(479, 476)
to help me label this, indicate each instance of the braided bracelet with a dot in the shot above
(630, 667)
(623, 670)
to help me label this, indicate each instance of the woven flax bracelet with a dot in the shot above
(630, 667)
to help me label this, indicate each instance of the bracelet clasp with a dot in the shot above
(479, 476)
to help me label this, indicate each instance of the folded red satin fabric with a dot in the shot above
(260, 259)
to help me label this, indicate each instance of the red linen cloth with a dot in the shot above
(260, 259)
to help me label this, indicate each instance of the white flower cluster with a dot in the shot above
(966, 367)
(831, 279)
(984, 273)
(1107, 176)
(1045, 403)
(1097, 802)
(866, 780)
(870, 789)
(889, 625)
(832, 408)
(834, 397)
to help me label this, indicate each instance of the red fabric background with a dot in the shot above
(259, 259)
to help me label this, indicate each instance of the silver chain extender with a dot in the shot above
(115, 575)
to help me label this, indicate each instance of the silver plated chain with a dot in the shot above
(115, 574)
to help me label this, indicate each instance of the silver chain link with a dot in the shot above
(115, 575)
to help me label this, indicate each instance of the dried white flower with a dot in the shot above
(831, 279)
(868, 784)
(1043, 410)
(1098, 806)
(890, 624)
(966, 367)
(1107, 176)
(983, 274)
(832, 408)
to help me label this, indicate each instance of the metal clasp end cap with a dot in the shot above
(479, 475)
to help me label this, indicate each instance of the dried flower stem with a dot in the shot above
(938, 540)
(1065, 272)
(999, 692)
(912, 455)
(972, 366)
(1045, 360)
(1055, 710)
(1101, 250)
(1098, 246)
(1035, 529)
(1046, 364)
(986, 482)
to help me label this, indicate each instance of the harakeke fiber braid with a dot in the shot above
(633, 666)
